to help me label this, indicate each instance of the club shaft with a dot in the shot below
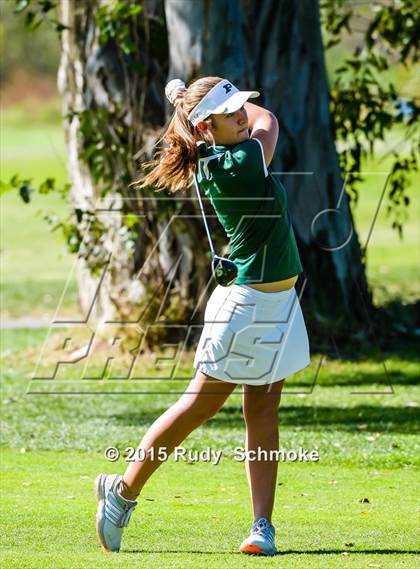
(204, 215)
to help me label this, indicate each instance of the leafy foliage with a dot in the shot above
(113, 22)
(38, 11)
(363, 107)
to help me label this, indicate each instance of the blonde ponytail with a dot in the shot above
(174, 165)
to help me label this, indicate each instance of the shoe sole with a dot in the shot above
(252, 549)
(97, 485)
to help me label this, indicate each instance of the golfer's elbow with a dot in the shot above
(267, 132)
(268, 122)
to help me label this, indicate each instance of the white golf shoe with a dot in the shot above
(113, 512)
(261, 540)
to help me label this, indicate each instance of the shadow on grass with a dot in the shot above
(370, 417)
(404, 347)
(363, 368)
(382, 376)
(285, 552)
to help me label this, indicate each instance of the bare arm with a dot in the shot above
(265, 127)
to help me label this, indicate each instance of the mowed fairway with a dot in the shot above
(35, 264)
(196, 515)
(355, 507)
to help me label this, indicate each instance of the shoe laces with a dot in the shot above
(263, 527)
(125, 518)
(117, 510)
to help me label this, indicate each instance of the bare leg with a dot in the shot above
(202, 399)
(260, 411)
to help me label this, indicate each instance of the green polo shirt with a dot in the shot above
(251, 205)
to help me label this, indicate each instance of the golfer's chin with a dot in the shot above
(236, 139)
(243, 135)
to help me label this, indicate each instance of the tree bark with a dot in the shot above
(87, 76)
(126, 289)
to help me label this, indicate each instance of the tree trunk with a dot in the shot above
(272, 45)
(126, 288)
(88, 77)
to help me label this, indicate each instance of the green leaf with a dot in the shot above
(25, 192)
(46, 5)
(59, 27)
(47, 185)
(14, 181)
(22, 5)
(137, 66)
(130, 220)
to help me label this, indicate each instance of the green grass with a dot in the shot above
(368, 402)
(14, 340)
(35, 262)
(393, 264)
(196, 514)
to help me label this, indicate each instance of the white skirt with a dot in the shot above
(252, 337)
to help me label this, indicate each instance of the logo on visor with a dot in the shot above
(227, 88)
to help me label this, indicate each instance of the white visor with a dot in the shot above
(222, 98)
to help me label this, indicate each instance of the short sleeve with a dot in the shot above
(247, 160)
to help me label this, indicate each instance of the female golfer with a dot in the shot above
(254, 332)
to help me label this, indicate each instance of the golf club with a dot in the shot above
(224, 271)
